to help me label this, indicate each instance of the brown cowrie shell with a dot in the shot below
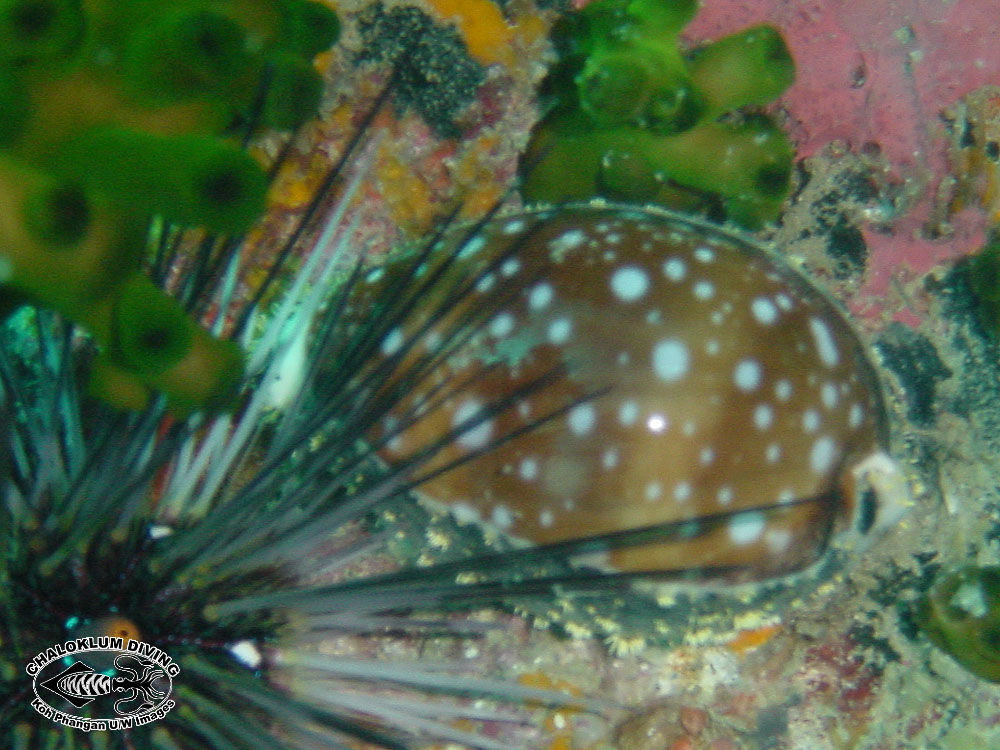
(615, 369)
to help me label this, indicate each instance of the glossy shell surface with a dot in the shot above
(684, 378)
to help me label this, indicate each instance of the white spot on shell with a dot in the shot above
(628, 413)
(703, 290)
(704, 255)
(783, 390)
(476, 437)
(674, 269)
(778, 540)
(653, 491)
(502, 517)
(472, 247)
(546, 519)
(393, 341)
(510, 266)
(828, 393)
(746, 528)
(540, 296)
(514, 226)
(528, 469)
(465, 513)
(670, 360)
(560, 330)
(706, 455)
(823, 455)
(826, 347)
(764, 311)
(486, 283)
(629, 283)
(724, 495)
(432, 341)
(772, 453)
(855, 416)
(609, 459)
(682, 491)
(747, 374)
(763, 416)
(581, 419)
(810, 420)
(568, 240)
(502, 325)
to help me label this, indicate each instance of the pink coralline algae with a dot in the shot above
(876, 76)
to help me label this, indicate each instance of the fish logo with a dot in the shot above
(79, 684)
(103, 683)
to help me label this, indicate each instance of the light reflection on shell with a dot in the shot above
(704, 379)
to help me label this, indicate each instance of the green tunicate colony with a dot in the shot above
(983, 273)
(636, 118)
(116, 116)
(961, 616)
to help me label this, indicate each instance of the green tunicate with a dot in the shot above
(746, 164)
(185, 54)
(66, 247)
(750, 67)
(673, 108)
(632, 116)
(647, 83)
(40, 30)
(15, 106)
(308, 28)
(209, 377)
(293, 92)
(195, 180)
(115, 386)
(663, 17)
(608, 22)
(118, 115)
(961, 616)
(624, 176)
(614, 90)
(58, 214)
(150, 330)
(752, 211)
(618, 89)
